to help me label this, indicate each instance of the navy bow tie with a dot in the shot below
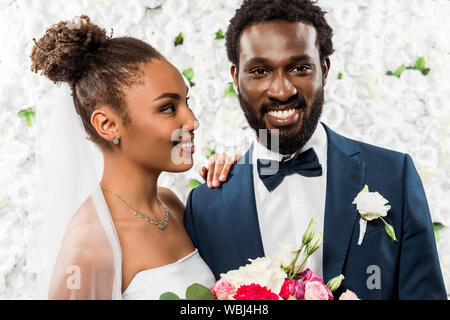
(272, 172)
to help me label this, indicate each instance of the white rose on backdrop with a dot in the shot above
(411, 106)
(367, 48)
(333, 114)
(347, 14)
(175, 8)
(436, 104)
(425, 156)
(359, 118)
(341, 91)
(407, 133)
(444, 209)
(373, 21)
(415, 81)
(379, 134)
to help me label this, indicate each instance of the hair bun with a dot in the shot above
(63, 52)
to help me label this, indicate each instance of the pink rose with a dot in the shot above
(293, 288)
(348, 295)
(222, 290)
(309, 276)
(314, 290)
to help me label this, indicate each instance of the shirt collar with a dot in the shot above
(318, 141)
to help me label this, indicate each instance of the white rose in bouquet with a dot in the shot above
(264, 271)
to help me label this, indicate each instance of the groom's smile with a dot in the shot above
(280, 80)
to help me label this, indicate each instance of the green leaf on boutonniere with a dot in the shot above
(179, 39)
(397, 73)
(189, 74)
(437, 226)
(169, 296)
(193, 183)
(197, 291)
(219, 35)
(389, 230)
(28, 114)
(209, 152)
(340, 75)
(230, 90)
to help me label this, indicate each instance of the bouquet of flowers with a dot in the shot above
(282, 276)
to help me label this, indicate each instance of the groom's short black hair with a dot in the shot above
(255, 11)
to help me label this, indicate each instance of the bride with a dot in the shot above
(126, 240)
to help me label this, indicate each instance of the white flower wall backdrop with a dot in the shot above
(408, 111)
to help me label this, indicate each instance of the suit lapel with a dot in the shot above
(239, 197)
(345, 179)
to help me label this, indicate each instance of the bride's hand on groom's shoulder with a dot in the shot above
(219, 166)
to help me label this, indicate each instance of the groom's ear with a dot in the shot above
(234, 73)
(105, 123)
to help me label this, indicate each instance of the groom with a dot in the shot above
(280, 51)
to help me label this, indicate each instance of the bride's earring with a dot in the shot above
(116, 140)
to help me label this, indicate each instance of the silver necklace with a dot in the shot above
(160, 224)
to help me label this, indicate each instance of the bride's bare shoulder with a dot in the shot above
(85, 247)
(85, 240)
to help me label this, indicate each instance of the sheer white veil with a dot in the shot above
(70, 169)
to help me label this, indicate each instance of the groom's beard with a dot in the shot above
(289, 142)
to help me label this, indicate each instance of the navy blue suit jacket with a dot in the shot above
(223, 224)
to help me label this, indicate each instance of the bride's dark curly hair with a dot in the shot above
(97, 67)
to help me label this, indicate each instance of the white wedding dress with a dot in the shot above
(174, 277)
(92, 244)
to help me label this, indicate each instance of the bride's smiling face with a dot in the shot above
(160, 135)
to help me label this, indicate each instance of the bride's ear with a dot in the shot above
(105, 123)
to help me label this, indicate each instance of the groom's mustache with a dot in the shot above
(294, 102)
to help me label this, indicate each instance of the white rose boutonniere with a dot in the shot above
(372, 205)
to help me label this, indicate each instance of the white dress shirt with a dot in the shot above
(284, 213)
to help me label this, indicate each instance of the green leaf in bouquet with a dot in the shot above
(189, 74)
(28, 114)
(437, 226)
(197, 291)
(335, 283)
(179, 39)
(309, 233)
(314, 244)
(209, 152)
(220, 35)
(169, 296)
(230, 90)
(193, 183)
(340, 75)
